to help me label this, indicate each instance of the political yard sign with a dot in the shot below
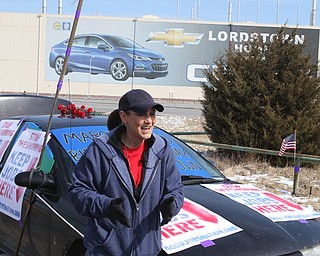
(194, 225)
(23, 157)
(270, 205)
(8, 129)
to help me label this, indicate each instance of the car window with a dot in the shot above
(75, 140)
(122, 42)
(63, 167)
(95, 41)
(79, 41)
(188, 161)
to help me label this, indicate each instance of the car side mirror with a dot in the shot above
(34, 179)
(103, 47)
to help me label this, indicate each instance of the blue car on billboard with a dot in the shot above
(108, 54)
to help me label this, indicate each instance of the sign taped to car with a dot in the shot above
(194, 225)
(75, 140)
(266, 203)
(8, 129)
(23, 157)
(186, 163)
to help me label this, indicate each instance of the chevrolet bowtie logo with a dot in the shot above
(175, 37)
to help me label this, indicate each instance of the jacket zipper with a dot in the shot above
(150, 180)
(132, 196)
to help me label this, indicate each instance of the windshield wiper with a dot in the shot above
(187, 180)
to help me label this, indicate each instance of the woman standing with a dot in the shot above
(125, 180)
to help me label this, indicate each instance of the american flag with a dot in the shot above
(288, 143)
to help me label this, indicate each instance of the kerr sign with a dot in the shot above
(8, 129)
(194, 225)
(266, 203)
(23, 157)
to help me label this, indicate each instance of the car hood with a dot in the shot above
(259, 235)
(144, 52)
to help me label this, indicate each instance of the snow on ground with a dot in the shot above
(275, 180)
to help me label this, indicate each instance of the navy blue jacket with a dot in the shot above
(102, 175)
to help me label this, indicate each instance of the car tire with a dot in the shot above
(119, 70)
(58, 65)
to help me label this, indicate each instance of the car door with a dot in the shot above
(33, 230)
(100, 58)
(66, 225)
(80, 55)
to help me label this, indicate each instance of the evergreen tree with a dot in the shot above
(257, 97)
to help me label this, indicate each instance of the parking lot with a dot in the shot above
(172, 107)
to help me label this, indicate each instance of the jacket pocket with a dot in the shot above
(118, 242)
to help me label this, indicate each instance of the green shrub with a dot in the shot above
(256, 98)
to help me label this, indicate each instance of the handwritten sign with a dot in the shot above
(194, 225)
(23, 157)
(8, 129)
(75, 140)
(185, 161)
(266, 203)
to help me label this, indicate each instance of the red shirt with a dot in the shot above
(134, 157)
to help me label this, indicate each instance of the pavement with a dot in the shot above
(171, 107)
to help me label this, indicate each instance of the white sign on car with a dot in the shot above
(23, 157)
(8, 129)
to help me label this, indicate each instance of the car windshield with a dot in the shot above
(75, 140)
(122, 42)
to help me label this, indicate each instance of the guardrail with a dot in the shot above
(299, 158)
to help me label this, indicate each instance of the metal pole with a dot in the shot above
(38, 57)
(313, 13)
(277, 14)
(44, 6)
(59, 87)
(90, 63)
(238, 13)
(178, 10)
(230, 12)
(258, 12)
(59, 7)
(133, 50)
(298, 13)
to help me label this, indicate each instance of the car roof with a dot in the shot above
(101, 35)
(25, 104)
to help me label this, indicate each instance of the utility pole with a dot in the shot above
(277, 14)
(258, 12)
(313, 13)
(178, 10)
(44, 7)
(238, 14)
(59, 7)
(230, 12)
(298, 13)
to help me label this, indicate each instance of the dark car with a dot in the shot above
(108, 54)
(219, 217)
(26, 104)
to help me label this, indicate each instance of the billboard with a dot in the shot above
(155, 52)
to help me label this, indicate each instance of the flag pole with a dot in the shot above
(59, 87)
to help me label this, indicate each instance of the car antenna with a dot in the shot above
(59, 87)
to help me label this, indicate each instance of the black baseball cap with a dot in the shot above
(138, 101)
